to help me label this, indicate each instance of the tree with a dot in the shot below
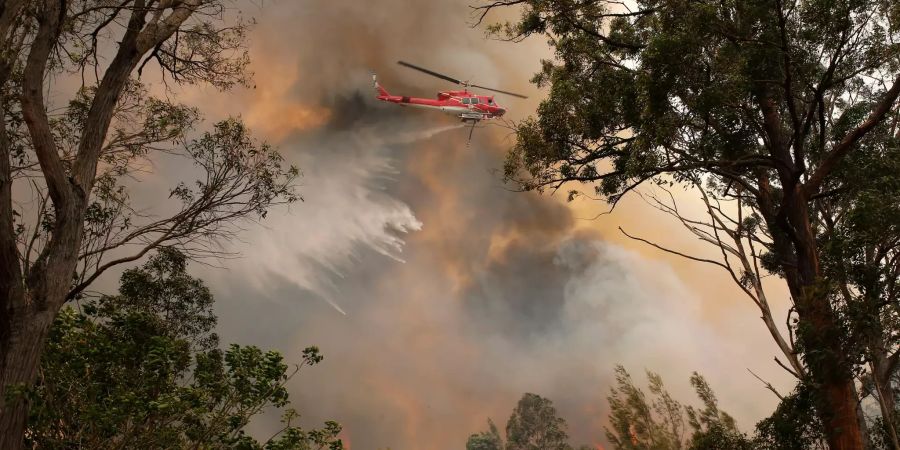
(74, 161)
(636, 423)
(162, 287)
(861, 245)
(139, 370)
(658, 423)
(534, 425)
(757, 104)
(486, 440)
(794, 425)
(713, 429)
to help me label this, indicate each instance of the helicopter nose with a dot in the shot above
(501, 111)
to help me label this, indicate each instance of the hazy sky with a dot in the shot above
(437, 295)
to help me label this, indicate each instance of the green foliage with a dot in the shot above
(163, 287)
(793, 426)
(718, 437)
(658, 423)
(636, 423)
(141, 370)
(486, 440)
(534, 425)
(672, 86)
(710, 416)
(880, 433)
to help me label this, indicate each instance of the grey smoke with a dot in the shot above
(459, 294)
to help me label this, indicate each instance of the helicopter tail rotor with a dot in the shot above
(381, 91)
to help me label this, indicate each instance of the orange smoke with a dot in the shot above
(278, 120)
(272, 110)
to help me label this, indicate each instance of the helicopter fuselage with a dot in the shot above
(469, 107)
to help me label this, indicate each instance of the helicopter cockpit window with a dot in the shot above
(490, 101)
(465, 101)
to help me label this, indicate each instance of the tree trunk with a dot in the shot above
(31, 308)
(30, 302)
(20, 364)
(820, 333)
(843, 430)
(829, 371)
(29, 311)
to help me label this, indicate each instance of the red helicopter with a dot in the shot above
(469, 107)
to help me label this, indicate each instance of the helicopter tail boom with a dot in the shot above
(381, 91)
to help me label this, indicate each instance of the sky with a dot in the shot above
(436, 293)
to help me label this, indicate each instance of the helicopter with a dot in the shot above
(468, 106)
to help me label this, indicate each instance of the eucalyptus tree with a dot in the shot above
(486, 440)
(759, 105)
(66, 216)
(535, 425)
(657, 421)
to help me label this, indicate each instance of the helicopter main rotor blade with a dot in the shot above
(498, 90)
(430, 72)
(454, 80)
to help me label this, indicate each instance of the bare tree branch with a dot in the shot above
(767, 385)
